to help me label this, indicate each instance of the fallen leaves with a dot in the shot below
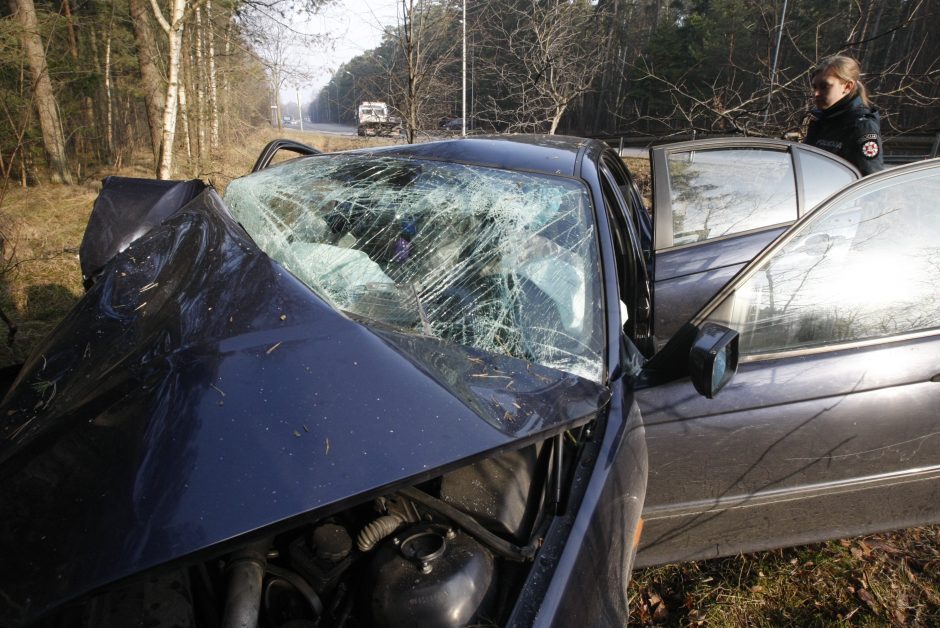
(866, 596)
(882, 579)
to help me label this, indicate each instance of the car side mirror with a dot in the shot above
(713, 358)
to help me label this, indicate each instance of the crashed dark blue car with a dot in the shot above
(408, 386)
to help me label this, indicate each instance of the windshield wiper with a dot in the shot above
(424, 315)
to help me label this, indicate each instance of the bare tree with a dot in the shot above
(184, 112)
(426, 47)
(544, 56)
(276, 45)
(212, 80)
(109, 108)
(173, 29)
(701, 71)
(735, 101)
(47, 108)
(199, 83)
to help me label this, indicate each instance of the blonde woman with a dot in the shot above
(844, 121)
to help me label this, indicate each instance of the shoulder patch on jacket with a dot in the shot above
(870, 149)
(868, 136)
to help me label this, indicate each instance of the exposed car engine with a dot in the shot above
(452, 551)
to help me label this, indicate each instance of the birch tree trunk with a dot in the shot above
(184, 115)
(213, 96)
(225, 91)
(556, 119)
(197, 75)
(53, 138)
(174, 36)
(109, 107)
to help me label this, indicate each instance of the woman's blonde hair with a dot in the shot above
(844, 68)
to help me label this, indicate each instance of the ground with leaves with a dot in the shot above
(878, 580)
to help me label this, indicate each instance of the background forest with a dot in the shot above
(653, 67)
(87, 83)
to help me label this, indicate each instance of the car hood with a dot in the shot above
(199, 391)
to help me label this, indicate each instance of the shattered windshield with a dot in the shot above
(502, 261)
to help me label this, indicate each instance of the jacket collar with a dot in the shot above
(847, 103)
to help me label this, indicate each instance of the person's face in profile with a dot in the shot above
(828, 89)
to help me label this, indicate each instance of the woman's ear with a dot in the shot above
(848, 87)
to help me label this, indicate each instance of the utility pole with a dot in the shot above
(773, 71)
(463, 111)
(355, 100)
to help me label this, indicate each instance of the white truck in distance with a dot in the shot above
(374, 119)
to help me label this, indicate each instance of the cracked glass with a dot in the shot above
(502, 261)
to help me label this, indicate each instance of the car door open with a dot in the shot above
(829, 428)
(718, 203)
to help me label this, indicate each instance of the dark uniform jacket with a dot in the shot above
(850, 130)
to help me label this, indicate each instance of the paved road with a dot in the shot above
(642, 153)
(323, 127)
(342, 129)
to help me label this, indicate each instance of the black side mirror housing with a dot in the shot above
(713, 358)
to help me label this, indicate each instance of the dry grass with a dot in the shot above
(42, 229)
(642, 175)
(240, 157)
(879, 580)
(889, 579)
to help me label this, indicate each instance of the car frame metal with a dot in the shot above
(176, 421)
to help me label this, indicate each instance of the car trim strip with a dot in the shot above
(765, 498)
(795, 353)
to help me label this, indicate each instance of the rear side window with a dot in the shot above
(718, 193)
(821, 177)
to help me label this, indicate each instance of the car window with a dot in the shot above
(868, 266)
(717, 193)
(502, 261)
(822, 177)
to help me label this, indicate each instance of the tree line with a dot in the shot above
(90, 82)
(652, 67)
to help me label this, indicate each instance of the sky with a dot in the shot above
(354, 26)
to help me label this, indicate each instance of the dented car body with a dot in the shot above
(400, 387)
(374, 334)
